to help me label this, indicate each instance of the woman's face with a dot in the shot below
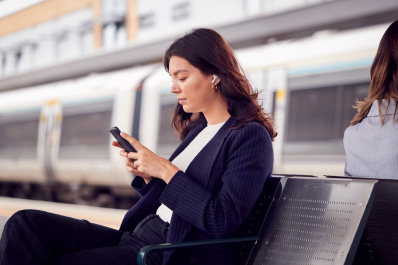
(193, 89)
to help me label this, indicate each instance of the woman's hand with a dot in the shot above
(130, 164)
(145, 163)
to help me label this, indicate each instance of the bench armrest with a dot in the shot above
(144, 252)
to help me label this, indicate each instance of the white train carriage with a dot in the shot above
(310, 85)
(22, 137)
(57, 134)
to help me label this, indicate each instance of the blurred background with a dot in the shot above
(71, 69)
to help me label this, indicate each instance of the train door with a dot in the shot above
(50, 120)
(84, 154)
(19, 144)
(276, 83)
(82, 148)
(271, 85)
(21, 164)
(158, 105)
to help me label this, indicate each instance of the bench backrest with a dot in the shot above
(254, 223)
(379, 243)
(314, 221)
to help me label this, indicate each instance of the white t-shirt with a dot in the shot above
(183, 160)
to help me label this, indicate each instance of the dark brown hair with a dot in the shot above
(206, 50)
(384, 76)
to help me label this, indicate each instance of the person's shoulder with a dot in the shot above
(252, 136)
(348, 130)
(351, 130)
(252, 125)
(365, 125)
(255, 126)
(252, 128)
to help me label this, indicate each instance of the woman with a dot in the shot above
(370, 142)
(206, 190)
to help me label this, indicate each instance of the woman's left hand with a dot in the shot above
(148, 162)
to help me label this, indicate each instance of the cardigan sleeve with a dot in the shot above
(248, 164)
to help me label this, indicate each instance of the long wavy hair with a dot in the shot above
(384, 76)
(206, 50)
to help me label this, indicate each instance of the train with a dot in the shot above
(55, 142)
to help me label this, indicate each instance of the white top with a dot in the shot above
(371, 149)
(185, 158)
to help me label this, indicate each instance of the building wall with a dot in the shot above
(56, 31)
(48, 10)
(160, 19)
(49, 32)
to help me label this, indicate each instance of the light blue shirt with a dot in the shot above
(372, 149)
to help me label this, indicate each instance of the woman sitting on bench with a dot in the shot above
(371, 141)
(204, 191)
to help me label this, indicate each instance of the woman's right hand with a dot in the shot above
(130, 164)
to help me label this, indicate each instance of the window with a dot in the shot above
(86, 41)
(62, 47)
(85, 130)
(317, 118)
(114, 8)
(319, 109)
(147, 20)
(2, 64)
(19, 134)
(121, 33)
(33, 58)
(168, 140)
(18, 57)
(181, 11)
(311, 114)
(109, 35)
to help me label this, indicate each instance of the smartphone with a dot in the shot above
(123, 142)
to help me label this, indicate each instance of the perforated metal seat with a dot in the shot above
(379, 243)
(316, 221)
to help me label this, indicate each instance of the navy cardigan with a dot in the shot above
(214, 196)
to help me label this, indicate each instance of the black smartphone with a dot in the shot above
(123, 142)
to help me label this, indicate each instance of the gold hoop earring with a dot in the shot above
(215, 87)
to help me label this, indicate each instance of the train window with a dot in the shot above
(317, 118)
(350, 94)
(168, 140)
(311, 114)
(181, 11)
(19, 134)
(85, 130)
(147, 20)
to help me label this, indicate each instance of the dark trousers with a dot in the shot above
(35, 237)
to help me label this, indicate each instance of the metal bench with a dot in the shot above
(379, 242)
(303, 221)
